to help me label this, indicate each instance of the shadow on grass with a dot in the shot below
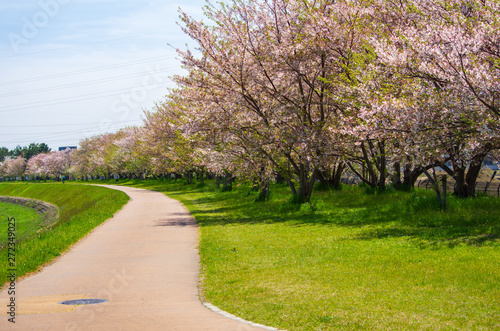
(413, 215)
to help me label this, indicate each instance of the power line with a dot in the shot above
(82, 45)
(72, 99)
(81, 83)
(82, 71)
(50, 136)
(51, 125)
(58, 133)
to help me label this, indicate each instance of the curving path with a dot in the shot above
(144, 261)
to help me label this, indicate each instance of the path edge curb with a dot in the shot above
(236, 318)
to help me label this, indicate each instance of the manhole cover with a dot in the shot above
(82, 302)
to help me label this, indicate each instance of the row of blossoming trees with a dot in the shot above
(307, 90)
(101, 156)
(43, 165)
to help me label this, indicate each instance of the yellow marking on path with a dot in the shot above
(41, 305)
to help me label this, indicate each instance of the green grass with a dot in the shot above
(81, 209)
(28, 221)
(349, 260)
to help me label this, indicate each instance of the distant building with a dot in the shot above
(67, 147)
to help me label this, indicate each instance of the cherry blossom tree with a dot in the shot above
(57, 164)
(127, 155)
(274, 77)
(36, 166)
(92, 157)
(168, 140)
(13, 167)
(451, 49)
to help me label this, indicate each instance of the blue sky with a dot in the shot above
(70, 69)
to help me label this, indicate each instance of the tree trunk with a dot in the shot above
(465, 181)
(332, 178)
(370, 179)
(337, 177)
(228, 183)
(373, 164)
(292, 187)
(396, 178)
(201, 175)
(435, 184)
(465, 177)
(306, 183)
(461, 189)
(264, 191)
(381, 165)
(410, 175)
(188, 175)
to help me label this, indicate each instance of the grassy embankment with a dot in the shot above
(349, 260)
(28, 220)
(81, 208)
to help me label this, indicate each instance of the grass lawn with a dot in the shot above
(349, 260)
(81, 209)
(28, 221)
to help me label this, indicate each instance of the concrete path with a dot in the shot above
(144, 261)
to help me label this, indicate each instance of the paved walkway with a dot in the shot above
(144, 261)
